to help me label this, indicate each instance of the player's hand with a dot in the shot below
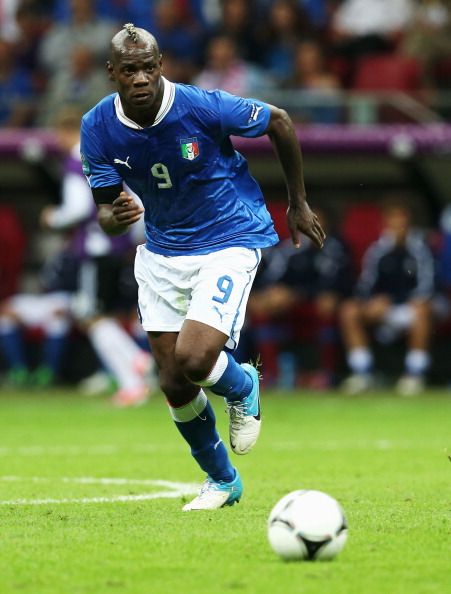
(301, 219)
(125, 210)
(45, 216)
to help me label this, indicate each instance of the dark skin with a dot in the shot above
(190, 354)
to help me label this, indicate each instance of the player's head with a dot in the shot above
(397, 218)
(135, 66)
(67, 126)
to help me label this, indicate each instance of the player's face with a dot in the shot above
(137, 73)
(397, 222)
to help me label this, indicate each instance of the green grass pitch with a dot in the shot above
(91, 504)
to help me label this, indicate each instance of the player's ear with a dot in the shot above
(110, 69)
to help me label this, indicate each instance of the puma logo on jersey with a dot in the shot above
(120, 162)
(255, 111)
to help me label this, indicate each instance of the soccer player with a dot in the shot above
(394, 295)
(205, 224)
(96, 272)
(297, 290)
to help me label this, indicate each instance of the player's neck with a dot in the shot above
(143, 117)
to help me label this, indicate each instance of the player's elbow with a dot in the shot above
(279, 123)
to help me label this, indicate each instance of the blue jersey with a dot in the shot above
(196, 189)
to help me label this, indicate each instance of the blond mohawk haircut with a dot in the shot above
(132, 32)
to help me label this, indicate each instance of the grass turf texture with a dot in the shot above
(382, 457)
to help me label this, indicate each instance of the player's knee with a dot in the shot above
(349, 312)
(196, 365)
(178, 391)
(421, 311)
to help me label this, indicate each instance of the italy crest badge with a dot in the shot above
(189, 148)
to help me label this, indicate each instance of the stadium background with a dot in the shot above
(371, 107)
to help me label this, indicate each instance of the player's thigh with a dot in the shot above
(198, 347)
(326, 304)
(376, 309)
(163, 291)
(221, 290)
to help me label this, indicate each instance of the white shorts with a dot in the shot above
(211, 288)
(36, 311)
(399, 317)
(396, 321)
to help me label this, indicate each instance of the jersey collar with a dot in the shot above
(166, 104)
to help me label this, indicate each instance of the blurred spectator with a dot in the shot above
(83, 29)
(393, 296)
(16, 90)
(136, 11)
(319, 85)
(32, 23)
(310, 69)
(278, 35)
(175, 69)
(226, 70)
(105, 286)
(444, 260)
(317, 11)
(177, 33)
(362, 27)
(110, 9)
(8, 24)
(428, 38)
(238, 22)
(440, 241)
(296, 297)
(48, 313)
(82, 84)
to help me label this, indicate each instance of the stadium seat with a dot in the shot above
(12, 247)
(361, 226)
(387, 73)
(278, 211)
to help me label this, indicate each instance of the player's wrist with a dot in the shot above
(297, 203)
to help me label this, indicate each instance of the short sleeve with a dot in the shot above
(98, 172)
(243, 117)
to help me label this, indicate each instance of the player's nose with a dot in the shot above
(140, 78)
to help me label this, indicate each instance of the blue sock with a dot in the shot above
(53, 351)
(142, 341)
(197, 423)
(13, 349)
(234, 383)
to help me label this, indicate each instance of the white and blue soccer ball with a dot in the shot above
(307, 525)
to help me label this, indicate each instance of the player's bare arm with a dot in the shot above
(286, 145)
(116, 218)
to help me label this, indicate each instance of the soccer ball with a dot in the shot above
(307, 525)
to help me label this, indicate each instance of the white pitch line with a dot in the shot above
(176, 490)
(89, 480)
(76, 450)
(114, 499)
